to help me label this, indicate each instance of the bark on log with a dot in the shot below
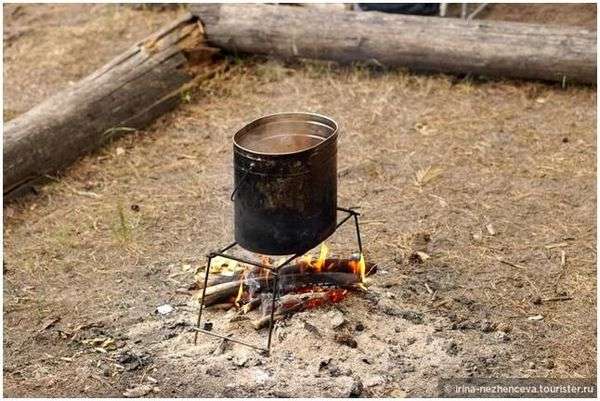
(125, 95)
(419, 43)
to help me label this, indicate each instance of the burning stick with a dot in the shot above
(292, 303)
(339, 272)
(253, 304)
(288, 282)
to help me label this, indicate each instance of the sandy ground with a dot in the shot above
(495, 181)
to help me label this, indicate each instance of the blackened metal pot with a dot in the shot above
(285, 179)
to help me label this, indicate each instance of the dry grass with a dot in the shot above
(49, 47)
(501, 158)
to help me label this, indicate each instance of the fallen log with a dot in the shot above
(449, 45)
(125, 95)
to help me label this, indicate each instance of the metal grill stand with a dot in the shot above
(275, 292)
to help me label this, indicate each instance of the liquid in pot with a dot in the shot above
(284, 143)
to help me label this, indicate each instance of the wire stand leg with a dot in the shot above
(360, 250)
(274, 297)
(209, 259)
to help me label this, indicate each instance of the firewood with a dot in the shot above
(292, 303)
(288, 282)
(253, 304)
(338, 272)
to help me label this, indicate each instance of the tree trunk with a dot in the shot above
(125, 95)
(419, 43)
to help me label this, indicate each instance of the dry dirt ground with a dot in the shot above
(494, 180)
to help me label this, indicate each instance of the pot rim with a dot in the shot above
(312, 118)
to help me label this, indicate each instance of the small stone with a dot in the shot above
(138, 391)
(240, 360)
(373, 381)
(502, 336)
(536, 300)
(135, 208)
(359, 326)
(487, 326)
(207, 326)
(452, 348)
(311, 328)
(336, 319)
(531, 365)
(490, 229)
(565, 140)
(260, 376)
(165, 309)
(356, 389)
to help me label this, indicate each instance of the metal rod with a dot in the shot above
(274, 298)
(199, 330)
(249, 262)
(343, 209)
(358, 235)
(228, 247)
(209, 259)
(345, 219)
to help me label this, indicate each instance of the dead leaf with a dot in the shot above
(423, 176)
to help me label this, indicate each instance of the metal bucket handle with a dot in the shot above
(241, 181)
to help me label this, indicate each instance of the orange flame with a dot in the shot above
(319, 263)
(240, 289)
(359, 267)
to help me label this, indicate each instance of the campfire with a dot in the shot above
(306, 283)
(285, 203)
